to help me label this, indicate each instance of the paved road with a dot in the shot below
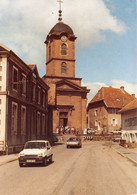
(95, 169)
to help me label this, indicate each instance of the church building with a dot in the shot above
(66, 95)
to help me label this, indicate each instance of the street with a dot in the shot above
(94, 169)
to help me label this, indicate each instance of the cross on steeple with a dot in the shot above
(60, 11)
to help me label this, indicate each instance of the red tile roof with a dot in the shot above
(131, 106)
(31, 66)
(113, 97)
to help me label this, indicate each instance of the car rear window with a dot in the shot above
(73, 139)
(32, 145)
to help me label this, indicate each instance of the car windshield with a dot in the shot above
(32, 145)
(73, 139)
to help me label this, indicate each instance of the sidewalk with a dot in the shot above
(8, 158)
(128, 153)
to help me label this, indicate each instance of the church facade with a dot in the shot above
(66, 95)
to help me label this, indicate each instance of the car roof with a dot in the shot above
(74, 138)
(38, 141)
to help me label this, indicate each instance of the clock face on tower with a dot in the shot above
(64, 38)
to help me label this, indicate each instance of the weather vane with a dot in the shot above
(60, 11)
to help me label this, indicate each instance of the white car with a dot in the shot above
(74, 142)
(37, 151)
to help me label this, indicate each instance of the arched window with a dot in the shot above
(63, 68)
(49, 51)
(63, 49)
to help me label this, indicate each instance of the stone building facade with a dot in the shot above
(103, 109)
(66, 95)
(24, 111)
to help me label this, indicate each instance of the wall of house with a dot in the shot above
(22, 117)
(114, 122)
(129, 126)
(100, 119)
(129, 120)
(97, 118)
(3, 107)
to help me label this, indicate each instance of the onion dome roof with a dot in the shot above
(61, 27)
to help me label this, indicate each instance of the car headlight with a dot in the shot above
(40, 154)
(21, 154)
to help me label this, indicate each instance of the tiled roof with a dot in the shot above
(131, 106)
(31, 66)
(113, 97)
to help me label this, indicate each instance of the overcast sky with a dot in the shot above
(105, 31)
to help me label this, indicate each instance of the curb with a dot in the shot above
(133, 161)
(8, 161)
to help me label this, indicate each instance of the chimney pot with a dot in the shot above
(122, 88)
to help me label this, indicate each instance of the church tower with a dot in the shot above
(66, 96)
(60, 50)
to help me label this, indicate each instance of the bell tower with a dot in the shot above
(60, 50)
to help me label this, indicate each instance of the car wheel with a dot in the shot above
(45, 161)
(50, 160)
(67, 146)
(21, 164)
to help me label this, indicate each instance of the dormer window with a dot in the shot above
(63, 49)
(63, 68)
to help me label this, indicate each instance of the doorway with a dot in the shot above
(63, 119)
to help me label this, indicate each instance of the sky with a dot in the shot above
(106, 52)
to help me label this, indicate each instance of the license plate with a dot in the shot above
(31, 161)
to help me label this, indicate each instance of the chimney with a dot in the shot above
(122, 88)
(133, 95)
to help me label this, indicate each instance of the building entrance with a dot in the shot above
(63, 119)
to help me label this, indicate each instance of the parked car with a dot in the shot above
(116, 139)
(37, 151)
(74, 142)
(55, 137)
(90, 131)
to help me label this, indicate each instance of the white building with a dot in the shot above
(129, 122)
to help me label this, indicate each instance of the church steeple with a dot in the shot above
(60, 49)
(60, 11)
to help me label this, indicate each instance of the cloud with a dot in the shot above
(25, 24)
(96, 86)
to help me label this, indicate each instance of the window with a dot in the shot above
(33, 91)
(43, 124)
(15, 78)
(38, 123)
(49, 51)
(14, 118)
(63, 49)
(0, 68)
(96, 123)
(24, 84)
(114, 122)
(39, 95)
(0, 78)
(130, 122)
(24, 80)
(63, 68)
(96, 112)
(0, 88)
(43, 100)
(23, 120)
